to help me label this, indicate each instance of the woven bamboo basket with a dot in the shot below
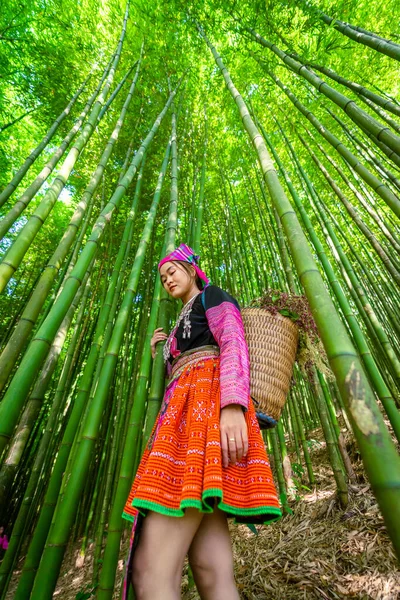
(272, 342)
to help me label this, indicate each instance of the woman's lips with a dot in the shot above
(172, 287)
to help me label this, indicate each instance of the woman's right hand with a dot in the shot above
(158, 336)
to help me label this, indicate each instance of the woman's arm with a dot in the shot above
(226, 325)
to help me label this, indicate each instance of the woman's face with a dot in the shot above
(176, 281)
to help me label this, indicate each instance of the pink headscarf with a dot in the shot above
(186, 254)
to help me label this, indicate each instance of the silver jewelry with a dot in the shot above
(187, 326)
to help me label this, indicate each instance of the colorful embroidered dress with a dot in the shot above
(207, 363)
(181, 466)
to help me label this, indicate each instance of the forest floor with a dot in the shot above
(319, 552)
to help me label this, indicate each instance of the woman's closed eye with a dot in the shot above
(164, 279)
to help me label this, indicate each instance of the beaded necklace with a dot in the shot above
(184, 314)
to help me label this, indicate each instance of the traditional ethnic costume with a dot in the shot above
(207, 364)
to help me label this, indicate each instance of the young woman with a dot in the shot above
(205, 460)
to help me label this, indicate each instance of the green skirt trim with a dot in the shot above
(204, 506)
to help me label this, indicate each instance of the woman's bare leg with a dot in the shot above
(211, 559)
(160, 554)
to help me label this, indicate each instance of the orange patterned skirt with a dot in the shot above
(182, 464)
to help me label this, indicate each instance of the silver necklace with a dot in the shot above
(184, 314)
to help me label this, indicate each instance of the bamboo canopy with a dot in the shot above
(264, 135)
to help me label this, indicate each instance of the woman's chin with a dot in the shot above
(175, 293)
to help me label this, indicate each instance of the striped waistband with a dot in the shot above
(190, 357)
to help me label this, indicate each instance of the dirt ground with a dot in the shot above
(318, 552)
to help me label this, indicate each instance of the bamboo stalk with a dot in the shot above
(111, 553)
(371, 433)
(383, 191)
(20, 246)
(32, 310)
(24, 168)
(34, 356)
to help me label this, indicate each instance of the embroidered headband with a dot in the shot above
(186, 254)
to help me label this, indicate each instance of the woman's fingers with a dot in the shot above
(241, 443)
(232, 450)
(239, 448)
(157, 332)
(245, 442)
(225, 450)
(159, 337)
(234, 435)
(238, 444)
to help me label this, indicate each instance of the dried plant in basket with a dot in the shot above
(280, 330)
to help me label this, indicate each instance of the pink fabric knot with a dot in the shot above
(186, 254)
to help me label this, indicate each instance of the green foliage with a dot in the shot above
(88, 591)
(298, 469)
(49, 47)
(44, 47)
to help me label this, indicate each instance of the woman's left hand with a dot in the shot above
(234, 439)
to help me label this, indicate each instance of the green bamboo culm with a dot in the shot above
(38, 540)
(29, 193)
(18, 249)
(200, 209)
(158, 374)
(46, 577)
(14, 398)
(357, 114)
(111, 552)
(362, 36)
(32, 310)
(379, 454)
(374, 182)
(19, 175)
(358, 336)
(9, 468)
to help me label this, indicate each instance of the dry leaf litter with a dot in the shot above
(319, 552)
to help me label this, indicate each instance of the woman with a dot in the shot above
(205, 460)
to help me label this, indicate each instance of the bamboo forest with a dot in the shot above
(266, 136)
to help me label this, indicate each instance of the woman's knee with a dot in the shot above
(140, 575)
(150, 575)
(159, 556)
(211, 571)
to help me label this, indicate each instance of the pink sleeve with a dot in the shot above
(226, 325)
